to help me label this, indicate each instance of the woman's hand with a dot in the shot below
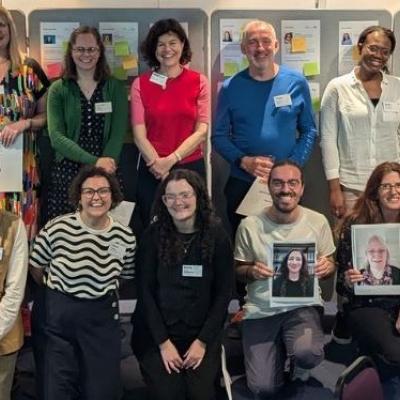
(259, 271)
(353, 276)
(324, 267)
(170, 357)
(10, 132)
(195, 354)
(107, 163)
(161, 166)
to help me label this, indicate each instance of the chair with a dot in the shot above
(359, 381)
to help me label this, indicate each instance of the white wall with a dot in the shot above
(207, 5)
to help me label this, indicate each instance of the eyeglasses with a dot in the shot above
(88, 50)
(257, 43)
(279, 184)
(384, 51)
(102, 192)
(386, 187)
(170, 198)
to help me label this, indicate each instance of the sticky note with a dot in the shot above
(120, 73)
(311, 68)
(129, 62)
(355, 54)
(230, 68)
(299, 44)
(121, 49)
(245, 63)
(54, 70)
(316, 104)
(64, 46)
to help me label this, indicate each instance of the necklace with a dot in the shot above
(187, 243)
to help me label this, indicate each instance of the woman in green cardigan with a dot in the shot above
(87, 115)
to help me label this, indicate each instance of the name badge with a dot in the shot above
(117, 250)
(192, 271)
(1, 253)
(391, 106)
(2, 89)
(159, 79)
(103, 108)
(391, 111)
(282, 100)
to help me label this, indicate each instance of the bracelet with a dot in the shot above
(178, 156)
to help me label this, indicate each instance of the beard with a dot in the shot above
(285, 209)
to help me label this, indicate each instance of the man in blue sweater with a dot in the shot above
(264, 113)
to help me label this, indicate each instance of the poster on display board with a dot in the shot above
(349, 56)
(232, 60)
(300, 45)
(121, 45)
(54, 37)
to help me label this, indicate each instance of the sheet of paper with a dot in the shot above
(123, 212)
(11, 166)
(349, 31)
(300, 45)
(256, 199)
(231, 58)
(121, 43)
(54, 37)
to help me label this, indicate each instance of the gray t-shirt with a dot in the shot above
(254, 242)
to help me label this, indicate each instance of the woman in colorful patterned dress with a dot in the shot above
(87, 116)
(23, 87)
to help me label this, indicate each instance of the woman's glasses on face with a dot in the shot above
(373, 49)
(387, 187)
(102, 192)
(170, 198)
(83, 50)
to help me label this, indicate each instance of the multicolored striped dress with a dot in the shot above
(22, 90)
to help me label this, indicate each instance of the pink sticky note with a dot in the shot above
(54, 70)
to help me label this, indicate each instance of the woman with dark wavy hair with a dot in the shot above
(170, 111)
(185, 276)
(294, 279)
(373, 320)
(87, 111)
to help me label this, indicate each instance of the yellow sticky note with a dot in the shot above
(311, 69)
(230, 68)
(120, 73)
(121, 49)
(299, 44)
(355, 54)
(129, 62)
(316, 104)
(64, 46)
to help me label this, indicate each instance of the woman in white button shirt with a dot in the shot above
(360, 116)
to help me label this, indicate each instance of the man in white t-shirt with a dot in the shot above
(272, 334)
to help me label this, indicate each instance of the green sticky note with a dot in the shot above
(230, 68)
(120, 73)
(316, 104)
(311, 68)
(121, 49)
(64, 46)
(245, 63)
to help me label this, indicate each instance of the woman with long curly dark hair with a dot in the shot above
(294, 279)
(373, 320)
(185, 275)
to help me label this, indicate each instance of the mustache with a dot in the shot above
(284, 194)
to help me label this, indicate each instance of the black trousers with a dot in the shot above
(82, 348)
(198, 384)
(147, 186)
(374, 329)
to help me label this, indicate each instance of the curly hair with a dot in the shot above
(303, 278)
(170, 244)
(90, 171)
(102, 70)
(149, 45)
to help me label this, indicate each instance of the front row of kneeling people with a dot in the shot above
(185, 274)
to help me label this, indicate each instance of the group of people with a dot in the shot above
(185, 264)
